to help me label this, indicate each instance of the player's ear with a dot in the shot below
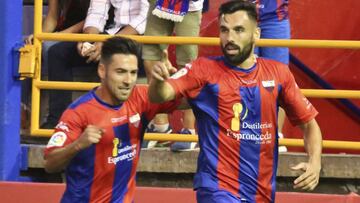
(101, 70)
(257, 33)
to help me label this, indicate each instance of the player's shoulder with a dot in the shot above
(82, 100)
(271, 62)
(203, 65)
(139, 93)
(140, 89)
(80, 108)
(273, 65)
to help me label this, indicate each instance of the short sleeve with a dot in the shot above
(66, 131)
(188, 81)
(297, 107)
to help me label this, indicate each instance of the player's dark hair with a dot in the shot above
(119, 45)
(239, 5)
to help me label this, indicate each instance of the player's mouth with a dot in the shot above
(232, 49)
(124, 90)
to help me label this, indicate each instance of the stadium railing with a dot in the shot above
(39, 84)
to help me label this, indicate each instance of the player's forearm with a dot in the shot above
(58, 159)
(160, 91)
(313, 141)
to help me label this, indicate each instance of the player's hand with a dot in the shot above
(165, 60)
(91, 135)
(163, 69)
(309, 179)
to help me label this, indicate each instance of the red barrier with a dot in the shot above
(15, 192)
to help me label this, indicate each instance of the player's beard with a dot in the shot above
(242, 55)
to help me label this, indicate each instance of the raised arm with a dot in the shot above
(160, 90)
(313, 146)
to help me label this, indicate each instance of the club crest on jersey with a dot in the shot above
(57, 140)
(240, 113)
(179, 73)
(135, 120)
(268, 84)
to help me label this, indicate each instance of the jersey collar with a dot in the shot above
(115, 107)
(237, 68)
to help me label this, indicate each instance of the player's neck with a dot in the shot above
(104, 94)
(248, 63)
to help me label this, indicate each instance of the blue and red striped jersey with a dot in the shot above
(105, 172)
(272, 9)
(236, 114)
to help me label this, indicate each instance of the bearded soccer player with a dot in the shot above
(235, 99)
(98, 138)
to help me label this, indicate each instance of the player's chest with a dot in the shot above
(123, 124)
(232, 93)
(254, 86)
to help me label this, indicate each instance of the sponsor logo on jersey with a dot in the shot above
(57, 140)
(122, 153)
(257, 138)
(240, 113)
(179, 73)
(238, 121)
(118, 120)
(62, 126)
(256, 126)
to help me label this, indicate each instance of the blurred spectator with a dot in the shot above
(63, 16)
(165, 18)
(64, 56)
(274, 24)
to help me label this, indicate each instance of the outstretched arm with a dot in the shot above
(313, 146)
